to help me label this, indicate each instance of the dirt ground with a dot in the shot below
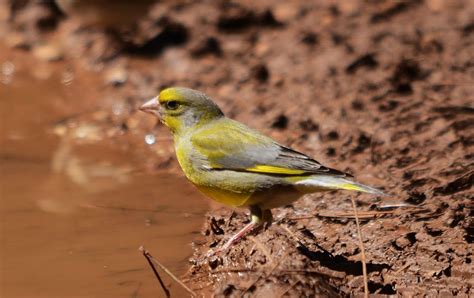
(380, 89)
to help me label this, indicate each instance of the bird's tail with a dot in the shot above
(322, 182)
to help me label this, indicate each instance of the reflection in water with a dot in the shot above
(90, 178)
(72, 214)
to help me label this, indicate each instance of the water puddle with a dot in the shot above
(72, 217)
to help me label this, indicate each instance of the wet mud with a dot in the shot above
(380, 89)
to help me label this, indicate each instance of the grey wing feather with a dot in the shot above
(260, 150)
(299, 161)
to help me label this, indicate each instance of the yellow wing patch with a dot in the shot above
(274, 170)
(349, 186)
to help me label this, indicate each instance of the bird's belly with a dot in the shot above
(224, 196)
(267, 199)
(274, 197)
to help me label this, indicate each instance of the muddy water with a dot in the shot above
(72, 217)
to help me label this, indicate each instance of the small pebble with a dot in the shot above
(17, 40)
(48, 52)
(116, 76)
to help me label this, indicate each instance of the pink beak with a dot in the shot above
(151, 106)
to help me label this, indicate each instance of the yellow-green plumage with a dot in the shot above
(236, 165)
(209, 156)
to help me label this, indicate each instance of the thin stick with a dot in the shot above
(314, 271)
(403, 268)
(289, 288)
(148, 257)
(292, 235)
(153, 260)
(337, 275)
(275, 265)
(362, 250)
(262, 248)
(230, 219)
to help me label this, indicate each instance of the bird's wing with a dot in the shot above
(229, 145)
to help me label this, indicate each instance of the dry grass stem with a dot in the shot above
(292, 235)
(262, 248)
(229, 219)
(362, 249)
(275, 265)
(289, 288)
(362, 215)
(148, 257)
(337, 275)
(152, 261)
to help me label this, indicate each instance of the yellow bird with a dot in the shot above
(236, 165)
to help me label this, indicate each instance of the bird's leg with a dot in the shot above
(267, 216)
(257, 218)
(234, 239)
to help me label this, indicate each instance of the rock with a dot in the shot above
(17, 40)
(286, 12)
(436, 5)
(207, 46)
(116, 75)
(48, 52)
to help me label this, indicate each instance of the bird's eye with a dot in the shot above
(172, 105)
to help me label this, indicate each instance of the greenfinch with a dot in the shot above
(236, 165)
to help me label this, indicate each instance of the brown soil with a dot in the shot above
(380, 89)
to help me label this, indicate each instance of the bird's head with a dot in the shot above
(182, 108)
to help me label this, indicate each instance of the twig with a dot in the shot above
(229, 219)
(204, 286)
(275, 265)
(154, 261)
(252, 284)
(362, 250)
(292, 235)
(330, 274)
(220, 271)
(363, 214)
(233, 270)
(408, 264)
(149, 258)
(262, 248)
(289, 287)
